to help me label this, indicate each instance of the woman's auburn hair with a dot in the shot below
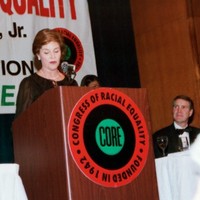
(44, 37)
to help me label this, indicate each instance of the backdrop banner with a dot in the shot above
(21, 20)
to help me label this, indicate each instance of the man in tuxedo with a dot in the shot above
(183, 111)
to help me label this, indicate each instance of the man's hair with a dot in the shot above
(186, 98)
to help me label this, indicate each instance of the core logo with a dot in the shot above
(108, 137)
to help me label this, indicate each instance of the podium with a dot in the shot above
(47, 167)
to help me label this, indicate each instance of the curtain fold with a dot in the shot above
(114, 43)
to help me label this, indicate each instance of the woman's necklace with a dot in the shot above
(53, 79)
(55, 84)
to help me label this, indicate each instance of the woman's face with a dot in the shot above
(94, 84)
(50, 55)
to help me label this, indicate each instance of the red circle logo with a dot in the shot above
(75, 51)
(108, 137)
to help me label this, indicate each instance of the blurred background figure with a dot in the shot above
(90, 80)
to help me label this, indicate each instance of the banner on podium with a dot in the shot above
(108, 137)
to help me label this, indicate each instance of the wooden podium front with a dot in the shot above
(47, 167)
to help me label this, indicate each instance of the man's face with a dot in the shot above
(181, 111)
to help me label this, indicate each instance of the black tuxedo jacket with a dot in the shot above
(170, 131)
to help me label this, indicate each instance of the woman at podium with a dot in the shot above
(49, 51)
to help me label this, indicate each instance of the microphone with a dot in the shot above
(68, 69)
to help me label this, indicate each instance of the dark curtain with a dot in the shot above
(114, 43)
(6, 141)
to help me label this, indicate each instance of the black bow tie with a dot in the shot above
(181, 131)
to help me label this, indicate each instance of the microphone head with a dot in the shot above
(68, 68)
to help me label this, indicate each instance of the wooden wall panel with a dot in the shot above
(167, 55)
